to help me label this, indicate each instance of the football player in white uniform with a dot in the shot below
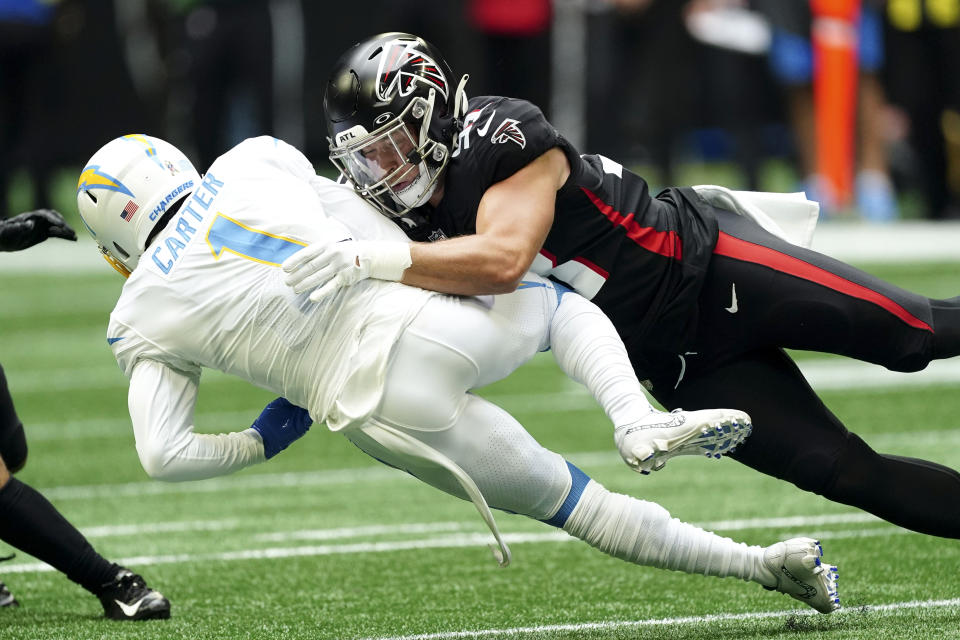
(387, 365)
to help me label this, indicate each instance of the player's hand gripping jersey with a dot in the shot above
(208, 292)
(639, 258)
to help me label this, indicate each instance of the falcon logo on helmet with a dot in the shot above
(393, 119)
(402, 66)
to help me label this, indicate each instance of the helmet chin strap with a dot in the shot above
(116, 264)
(459, 110)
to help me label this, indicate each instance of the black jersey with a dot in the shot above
(640, 258)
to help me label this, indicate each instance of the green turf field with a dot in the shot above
(324, 543)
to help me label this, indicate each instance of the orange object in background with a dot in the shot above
(834, 38)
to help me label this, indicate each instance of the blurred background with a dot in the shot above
(856, 102)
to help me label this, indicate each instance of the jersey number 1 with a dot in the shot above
(227, 234)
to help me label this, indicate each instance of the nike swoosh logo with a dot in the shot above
(675, 421)
(131, 609)
(733, 308)
(482, 131)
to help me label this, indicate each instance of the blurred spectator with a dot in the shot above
(515, 43)
(27, 93)
(792, 61)
(63, 88)
(221, 67)
(641, 66)
(923, 77)
(737, 97)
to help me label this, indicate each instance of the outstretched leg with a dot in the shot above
(796, 438)
(429, 426)
(516, 474)
(29, 522)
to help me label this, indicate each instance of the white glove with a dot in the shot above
(328, 266)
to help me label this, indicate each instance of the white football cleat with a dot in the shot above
(801, 574)
(648, 443)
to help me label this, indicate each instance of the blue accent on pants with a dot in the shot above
(580, 480)
(561, 291)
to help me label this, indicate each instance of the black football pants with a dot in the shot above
(13, 442)
(30, 523)
(761, 295)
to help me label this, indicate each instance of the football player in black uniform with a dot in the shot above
(27, 520)
(704, 298)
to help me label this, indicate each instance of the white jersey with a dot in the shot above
(208, 292)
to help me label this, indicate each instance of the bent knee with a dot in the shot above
(825, 471)
(13, 449)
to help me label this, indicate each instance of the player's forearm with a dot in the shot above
(469, 265)
(161, 403)
(202, 456)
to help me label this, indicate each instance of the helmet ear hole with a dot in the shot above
(91, 196)
(121, 250)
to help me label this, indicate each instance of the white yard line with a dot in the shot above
(668, 622)
(829, 536)
(356, 475)
(149, 528)
(133, 530)
(369, 530)
(790, 521)
(454, 540)
(440, 542)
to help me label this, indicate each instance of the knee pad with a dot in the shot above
(513, 470)
(857, 467)
(426, 384)
(823, 471)
(509, 467)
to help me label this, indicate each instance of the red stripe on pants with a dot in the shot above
(738, 249)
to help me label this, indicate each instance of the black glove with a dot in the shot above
(33, 227)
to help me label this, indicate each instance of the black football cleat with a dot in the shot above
(129, 598)
(6, 598)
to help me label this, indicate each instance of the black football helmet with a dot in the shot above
(393, 119)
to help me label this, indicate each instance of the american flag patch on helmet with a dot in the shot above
(129, 210)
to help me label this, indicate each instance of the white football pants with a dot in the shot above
(429, 425)
(458, 344)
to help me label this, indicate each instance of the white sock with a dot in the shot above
(644, 533)
(589, 350)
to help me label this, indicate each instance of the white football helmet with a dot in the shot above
(124, 191)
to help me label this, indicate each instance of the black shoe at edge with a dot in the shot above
(129, 598)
